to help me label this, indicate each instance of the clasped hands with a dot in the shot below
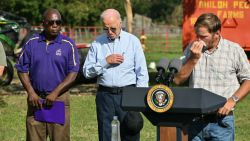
(34, 100)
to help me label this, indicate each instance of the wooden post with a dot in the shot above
(166, 39)
(172, 134)
(129, 14)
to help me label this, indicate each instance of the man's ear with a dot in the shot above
(217, 33)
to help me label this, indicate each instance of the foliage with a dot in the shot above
(87, 12)
(24, 8)
(159, 10)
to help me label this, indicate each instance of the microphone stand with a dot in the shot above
(168, 80)
(170, 77)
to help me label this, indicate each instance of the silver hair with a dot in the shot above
(111, 12)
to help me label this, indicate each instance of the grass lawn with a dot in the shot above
(156, 48)
(83, 119)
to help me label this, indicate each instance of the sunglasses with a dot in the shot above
(52, 22)
(109, 28)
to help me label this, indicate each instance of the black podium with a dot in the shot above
(189, 103)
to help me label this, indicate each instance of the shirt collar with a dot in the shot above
(42, 37)
(121, 33)
(220, 44)
(218, 47)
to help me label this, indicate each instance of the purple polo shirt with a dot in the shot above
(48, 64)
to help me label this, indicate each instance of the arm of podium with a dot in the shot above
(188, 103)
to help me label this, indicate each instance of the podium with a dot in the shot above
(189, 103)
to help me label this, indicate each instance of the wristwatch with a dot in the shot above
(235, 98)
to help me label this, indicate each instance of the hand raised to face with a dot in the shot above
(196, 49)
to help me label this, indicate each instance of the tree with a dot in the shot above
(129, 13)
(24, 8)
(159, 11)
(87, 12)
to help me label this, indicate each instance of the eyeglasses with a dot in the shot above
(112, 29)
(52, 22)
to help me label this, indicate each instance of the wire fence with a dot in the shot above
(157, 38)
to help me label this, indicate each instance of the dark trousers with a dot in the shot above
(108, 105)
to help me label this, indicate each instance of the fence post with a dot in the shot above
(166, 39)
(143, 38)
(71, 33)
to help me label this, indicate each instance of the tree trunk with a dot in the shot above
(129, 14)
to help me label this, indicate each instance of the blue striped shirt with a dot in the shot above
(132, 71)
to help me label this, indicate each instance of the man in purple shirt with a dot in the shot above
(47, 67)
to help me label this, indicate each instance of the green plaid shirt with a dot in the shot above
(222, 70)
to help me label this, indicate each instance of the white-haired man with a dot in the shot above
(117, 59)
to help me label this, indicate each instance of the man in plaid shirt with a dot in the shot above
(220, 66)
(3, 62)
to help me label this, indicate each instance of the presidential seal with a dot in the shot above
(160, 98)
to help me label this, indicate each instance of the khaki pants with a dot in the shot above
(38, 131)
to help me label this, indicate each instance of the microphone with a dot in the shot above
(161, 67)
(174, 67)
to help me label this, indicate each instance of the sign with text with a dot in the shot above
(234, 15)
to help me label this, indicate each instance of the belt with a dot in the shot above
(113, 90)
(42, 94)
